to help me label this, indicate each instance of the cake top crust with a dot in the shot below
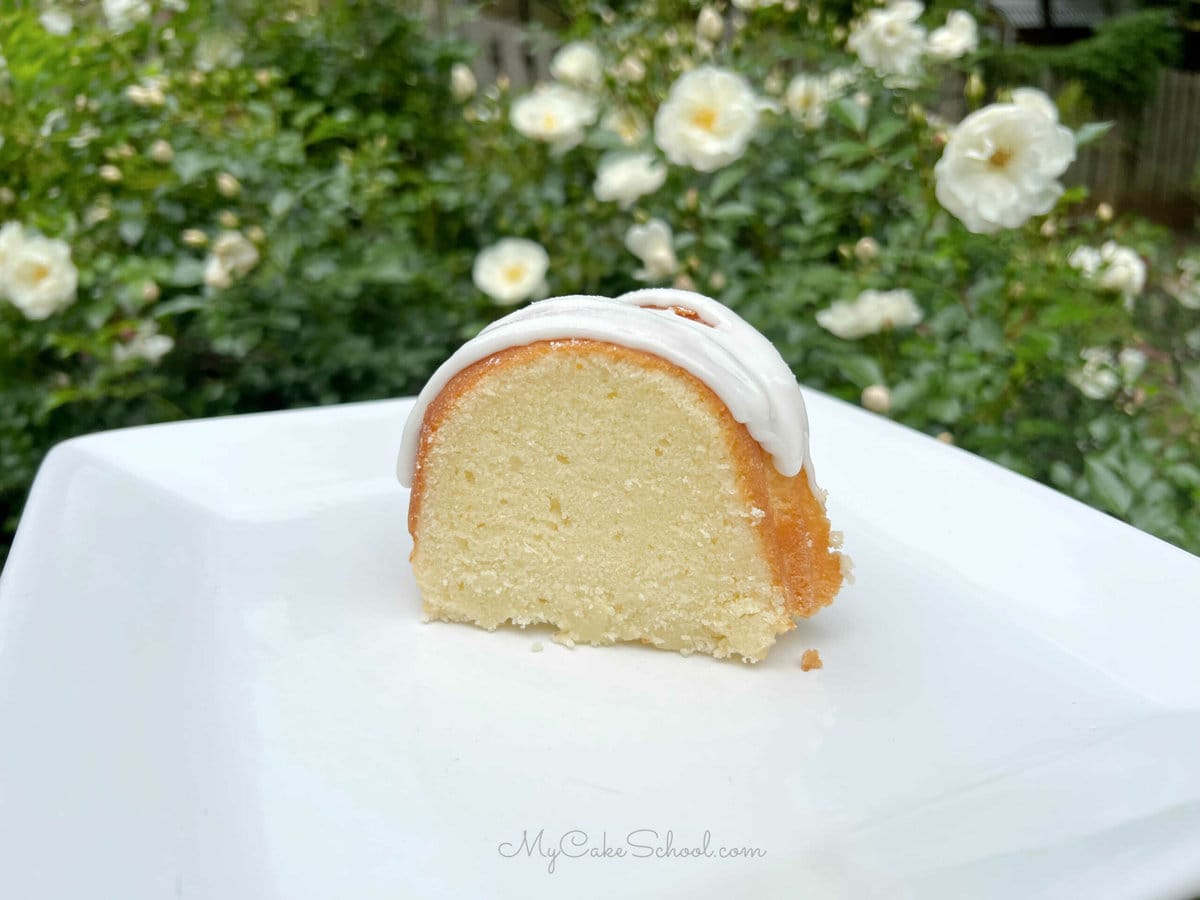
(696, 333)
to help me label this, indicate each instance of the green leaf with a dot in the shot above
(1092, 132)
(862, 371)
(849, 114)
(724, 181)
(1109, 487)
(883, 132)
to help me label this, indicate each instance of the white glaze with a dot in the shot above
(724, 351)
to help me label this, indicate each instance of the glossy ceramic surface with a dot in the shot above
(215, 682)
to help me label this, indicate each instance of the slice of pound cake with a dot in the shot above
(633, 469)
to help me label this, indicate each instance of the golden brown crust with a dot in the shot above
(795, 528)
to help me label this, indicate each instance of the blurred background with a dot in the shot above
(977, 219)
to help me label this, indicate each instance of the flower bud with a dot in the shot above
(710, 25)
(462, 82)
(151, 291)
(194, 237)
(227, 185)
(974, 88)
(161, 152)
(228, 219)
(1104, 212)
(110, 173)
(866, 249)
(877, 398)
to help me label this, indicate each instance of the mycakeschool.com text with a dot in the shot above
(638, 844)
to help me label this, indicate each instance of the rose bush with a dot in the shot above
(291, 209)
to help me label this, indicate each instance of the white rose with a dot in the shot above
(232, 256)
(1123, 270)
(1001, 164)
(1085, 259)
(122, 15)
(1184, 287)
(36, 273)
(653, 244)
(146, 344)
(840, 80)
(462, 82)
(1132, 363)
(958, 37)
(578, 64)
(807, 98)
(1098, 378)
(57, 21)
(871, 313)
(888, 40)
(555, 114)
(624, 177)
(625, 124)
(710, 25)
(707, 120)
(511, 270)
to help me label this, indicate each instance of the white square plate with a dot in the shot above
(215, 683)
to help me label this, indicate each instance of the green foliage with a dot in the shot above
(1117, 66)
(367, 191)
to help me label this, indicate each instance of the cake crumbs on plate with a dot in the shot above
(811, 660)
(537, 647)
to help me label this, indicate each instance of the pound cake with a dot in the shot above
(629, 469)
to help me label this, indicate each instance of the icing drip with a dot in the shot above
(694, 332)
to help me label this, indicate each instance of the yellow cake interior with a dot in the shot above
(604, 492)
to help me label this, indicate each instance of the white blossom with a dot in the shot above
(871, 313)
(217, 50)
(958, 37)
(511, 270)
(1132, 363)
(1185, 286)
(232, 256)
(630, 69)
(122, 15)
(877, 398)
(625, 124)
(146, 343)
(36, 273)
(624, 177)
(653, 244)
(1001, 164)
(709, 24)
(57, 21)
(1123, 270)
(555, 114)
(1099, 377)
(110, 173)
(148, 93)
(707, 120)
(840, 80)
(578, 64)
(1085, 259)
(462, 82)
(888, 40)
(807, 97)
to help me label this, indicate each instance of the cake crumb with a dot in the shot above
(564, 640)
(811, 660)
(537, 647)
